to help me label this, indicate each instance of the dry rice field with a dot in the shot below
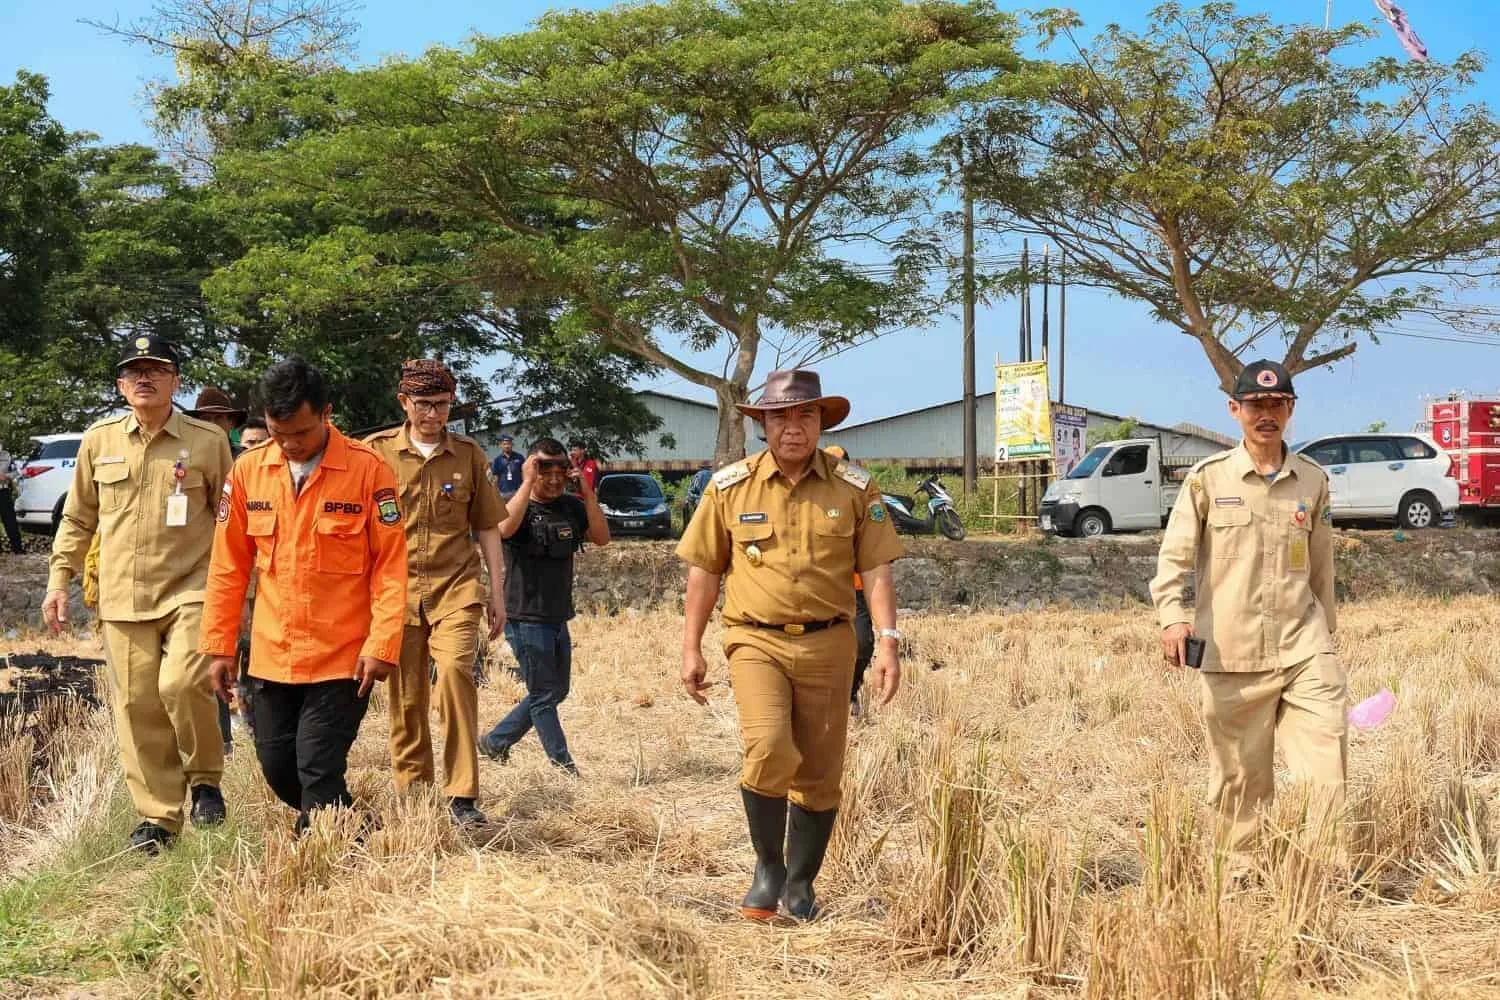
(1024, 821)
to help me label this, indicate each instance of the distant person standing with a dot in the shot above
(8, 503)
(317, 517)
(543, 528)
(1253, 526)
(507, 468)
(215, 407)
(148, 481)
(254, 433)
(587, 468)
(446, 496)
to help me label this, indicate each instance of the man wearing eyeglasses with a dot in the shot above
(148, 482)
(445, 494)
(544, 526)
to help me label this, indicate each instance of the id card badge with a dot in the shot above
(177, 510)
(1298, 561)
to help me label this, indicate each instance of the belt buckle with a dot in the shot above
(794, 629)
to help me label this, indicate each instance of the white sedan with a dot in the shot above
(1402, 476)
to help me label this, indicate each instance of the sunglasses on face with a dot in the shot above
(554, 465)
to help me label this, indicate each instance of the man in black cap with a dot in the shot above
(1255, 527)
(148, 481)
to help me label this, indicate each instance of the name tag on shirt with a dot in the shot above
(177, 510)
(755, 518)
(109, 459)
(1229, 501)
(1297, 562)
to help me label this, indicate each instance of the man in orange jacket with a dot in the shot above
(316, 516)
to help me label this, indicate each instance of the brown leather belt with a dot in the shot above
(796, 628)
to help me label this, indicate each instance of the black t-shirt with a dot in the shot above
(539, 561)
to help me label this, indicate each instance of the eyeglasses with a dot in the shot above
(561, 468)
(138, 373)
(431, 405)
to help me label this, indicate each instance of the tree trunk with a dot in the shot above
(730, 446)
(1226, 365)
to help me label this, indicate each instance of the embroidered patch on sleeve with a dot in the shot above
(386, 506)
(224, 504)
(1328, 515)
(877, 512)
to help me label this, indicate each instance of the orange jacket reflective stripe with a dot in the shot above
(331, 564)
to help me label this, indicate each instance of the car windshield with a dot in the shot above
(1090, 462)
(66, 448)
(621, 489)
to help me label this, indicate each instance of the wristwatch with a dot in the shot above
(888, 633)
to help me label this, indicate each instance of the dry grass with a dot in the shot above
(1024, 821)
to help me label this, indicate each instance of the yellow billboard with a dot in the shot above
(1023, 412)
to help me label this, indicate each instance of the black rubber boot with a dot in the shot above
(806, 843)
(767, 818)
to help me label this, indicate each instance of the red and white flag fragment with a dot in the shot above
(1402, 27)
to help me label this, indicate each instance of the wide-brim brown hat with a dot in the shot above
(213, 402)
(796, 387)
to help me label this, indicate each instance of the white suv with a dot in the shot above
(44, 479)
(1402, 476)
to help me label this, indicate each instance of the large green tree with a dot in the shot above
(699, 183)
(1254, 183)
(39, 207)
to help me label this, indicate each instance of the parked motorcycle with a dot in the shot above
(939, 516)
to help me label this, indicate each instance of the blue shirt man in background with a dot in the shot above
(507, 467)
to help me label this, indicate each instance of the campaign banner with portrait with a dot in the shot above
(1023, 413)
(1070, 433)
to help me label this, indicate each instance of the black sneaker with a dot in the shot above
(494, 749)
(465, 813)
(150, 838)
(208, 806)
(567, 765)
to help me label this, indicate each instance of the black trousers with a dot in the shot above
(864, 638)
(8, 518)
(303, 733)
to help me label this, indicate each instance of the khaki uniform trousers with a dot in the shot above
(166, 715)
(453, 643)
(792, 694)
(1303, 708)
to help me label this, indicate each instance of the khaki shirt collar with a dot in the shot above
(173, 426)
(767, 467)
(1243, 465)
(404, 443)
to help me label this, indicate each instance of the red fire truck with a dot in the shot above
(1467, 427)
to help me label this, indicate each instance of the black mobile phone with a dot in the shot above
(1195, 647)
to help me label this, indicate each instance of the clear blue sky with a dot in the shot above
(1119, 359)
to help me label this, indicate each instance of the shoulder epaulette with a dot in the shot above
(379, 435)
(853, 475)
(1309, 463)
(106, 421)
(200, 425)
(1211, 460)
(732, 474)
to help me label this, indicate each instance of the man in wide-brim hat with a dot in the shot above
(786, 530)
(215, 406)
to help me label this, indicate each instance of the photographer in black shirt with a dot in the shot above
(543, 528)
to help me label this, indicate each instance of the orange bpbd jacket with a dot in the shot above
(331, 564)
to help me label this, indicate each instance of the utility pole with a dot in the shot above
(971, 416)
(1024, 353)
(1046, 286)
(1062, 325)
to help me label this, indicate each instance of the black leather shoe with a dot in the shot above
(208, 806)
(150, 838)
(465, 813)
(767, 817)
(806, 844)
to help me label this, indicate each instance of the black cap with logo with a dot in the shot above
(148, 347)
(1263, 379)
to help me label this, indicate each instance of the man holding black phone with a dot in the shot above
(544, 526)
(1254, 526)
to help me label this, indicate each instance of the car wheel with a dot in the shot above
(1091, 524)
(1419, 510)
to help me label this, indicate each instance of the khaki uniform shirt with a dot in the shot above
(1263, 558)
(120, 487)
(444, 497)
(789, 553)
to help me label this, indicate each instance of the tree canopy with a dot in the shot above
(1248, 180)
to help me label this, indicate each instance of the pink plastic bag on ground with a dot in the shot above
(1373, 710)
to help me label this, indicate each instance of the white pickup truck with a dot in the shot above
(1119, 486)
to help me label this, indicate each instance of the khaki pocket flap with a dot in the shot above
(1229, 517)
(750, 532)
